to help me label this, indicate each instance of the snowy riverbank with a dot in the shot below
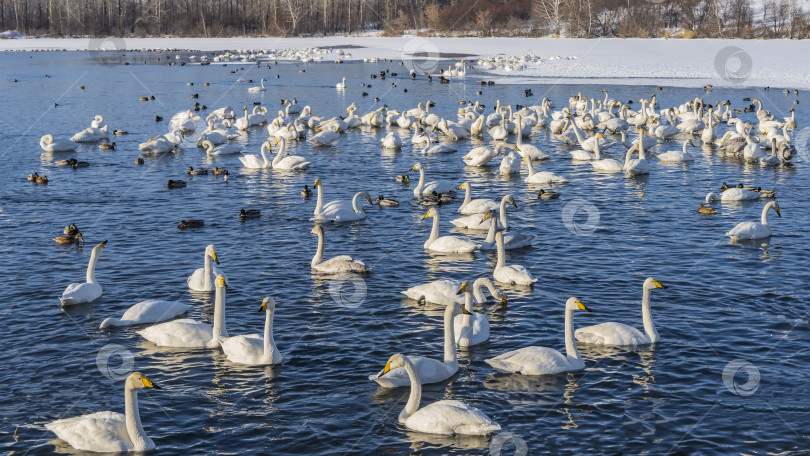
(776, 63)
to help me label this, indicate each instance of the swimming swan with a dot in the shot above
(49, 144)
(444, 417)
(253, 349)
(253, 161)
(470, 328)
(745, 231)
(536, 360)
(188, 333)
(613, 333)
(149, 311)
(80, 293)
(342, 263)
(290, 161)
(202, 279)
(514, 274)
(446, 244)
(445, 291)
(109, 432)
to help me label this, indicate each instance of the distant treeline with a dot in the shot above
(567, 18)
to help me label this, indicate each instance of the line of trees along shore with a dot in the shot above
(564, 18)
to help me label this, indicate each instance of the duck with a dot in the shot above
(84, 292)
(403, 178)
(77, 238)
(175, 184)
(253, 349)
(193, 223)
(202, 279)
(430, 370)
(446, 244)
(745, 231)
(338, 264)
(445, 417)
(196, 172)
(510, 274)
(535, 360)
(620, 334)
(250, 213)
(220, 171)
(106, 146)
(120, 132)
(547, 194)
(706, 210)
(109, 432)
(41, 179)
(188, 333)
(383, 201)
(306, 192)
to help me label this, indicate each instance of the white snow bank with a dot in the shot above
(778, 63)
(11, 34)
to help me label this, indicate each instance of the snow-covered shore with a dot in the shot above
(776, 63)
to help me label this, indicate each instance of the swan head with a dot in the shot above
(212, 253)
(651, 283)
(394, 362)
(487, 215)
(712, 197)
(101, 246)
(268, 304)
(464, 185)
(417, 166)
(575, 304)
(137, 380)
(775, 206)
(365, 196)
(465, 287)
(511, 200)
(317, 230)
(432, 212)
(221, 282)
(317, 183)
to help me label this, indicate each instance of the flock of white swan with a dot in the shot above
(594, 126)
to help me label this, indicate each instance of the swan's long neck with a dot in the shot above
(503, 213)
(596, 153)
(208, 273)
(684, 147)
(450, 355)
(499, 243)
(628, 157)
(519, 139)
(477, 292)
(418, 190)
(265, 160)
(139, 439)
(316, 260)
(416, 391)
(269, 343)
(646, 316)
(570, 345)
(434, 231)
(467, 319)
(219, 314)
(764, 218)
(278, 156)
(354, 202)
(91, 267)
(319, 203)
(529, 166)
(641, 154)
(467, 196)
(490, 235)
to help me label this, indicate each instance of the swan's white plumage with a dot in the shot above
(89, 291)
(149, 311)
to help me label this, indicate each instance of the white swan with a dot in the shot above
(391, 141)
(445, 292)
(149, 311)
(513, 274)
(733, 194)
(444, 417)
(426, 188)
(511, 240)
(677, 156)
(745, 231)
(338, 211)
(536, 360)
(202, 279)
(510, 164)
(290, 162)
(613, 333)
(342, 263)
(49, 144)
(636, 166)
(341, 85)
(188, 333)
(446, 244)
(542, 177)
(225, 149)
(605, 164)
(470, 328)
(257, 88)
(431, 148)
(326, 137)
(80, 293)
(253, 161)
(91, 135)
(430, 370)
(109, 432)
(476, 222)
(253, 349)
(528, 150)
(479, 156)
(475, 206)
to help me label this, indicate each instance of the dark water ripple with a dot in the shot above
(724, 302)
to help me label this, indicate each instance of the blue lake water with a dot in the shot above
(725, 302)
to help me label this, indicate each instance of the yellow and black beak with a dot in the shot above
(263, 306)
(777, 212)
(464, 310)
(387, 368)
(582, 307)
(148, 383)
(658, 284)
(103, 244)
(214, 256)
(463, 289)
(503, 299)
(426, 215)
(223, 283)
